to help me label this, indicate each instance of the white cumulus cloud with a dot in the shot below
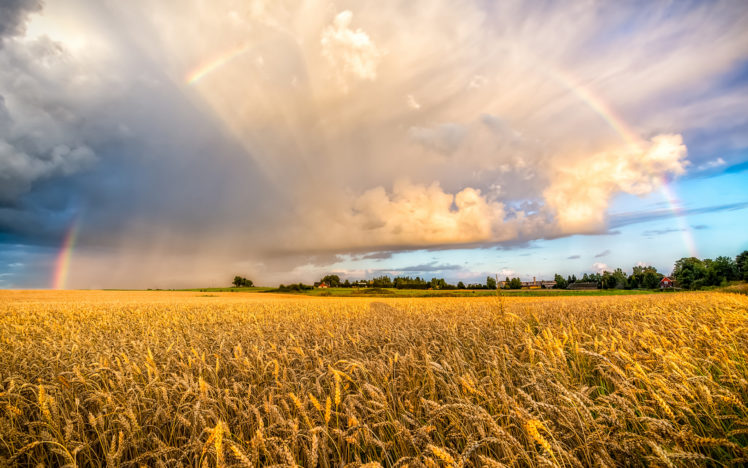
(581, 188)
(600, 267)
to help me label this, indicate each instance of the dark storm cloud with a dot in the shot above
(382, 255)
(81, 145)
(13, 15)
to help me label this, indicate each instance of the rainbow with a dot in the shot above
(630, 137)
(600, 107)
(209, 67)
(674, 204)
(62, 268)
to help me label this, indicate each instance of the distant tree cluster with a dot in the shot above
(689, 273)
(514, 283)
(241, 282)
(694, 273)
(642, 277)
(405, 282)
(332, 280)
(297, 287)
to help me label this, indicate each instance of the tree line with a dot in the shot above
(688, 273)
(406, 282)
(694, 273)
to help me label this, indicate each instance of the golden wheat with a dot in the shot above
(178, 379)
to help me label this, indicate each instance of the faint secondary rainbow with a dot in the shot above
(629, 136)
(209, 67)
(600, 107)
(62, 267)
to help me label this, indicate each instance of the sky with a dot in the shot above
(177, 144)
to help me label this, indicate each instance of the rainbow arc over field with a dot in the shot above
(62, 266)
(215, 63)
(629, 136)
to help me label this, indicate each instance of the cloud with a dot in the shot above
(444, 138)
(581, 189)
(573, 257)
(18, 170)
(380, 128)
(711, 164)
(600, 267)
(602, 254)
(383, 255)
(423, 268)
(412, 103)
(409, 214)
(660, 232)
(350, 53)
(627, 218)
(13, 15)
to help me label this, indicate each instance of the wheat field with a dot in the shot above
(190, 379)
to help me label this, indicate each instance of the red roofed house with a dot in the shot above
(666, 283)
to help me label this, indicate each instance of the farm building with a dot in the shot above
(321, 285)
(666, 283)
(534, 284)
(531, 284)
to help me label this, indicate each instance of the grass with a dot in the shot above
(393, 292)
(145, 378)
(254, 289)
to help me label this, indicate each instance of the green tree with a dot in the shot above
(490, 282)
(608, 280)
(515, 283)
(689, 272)
(725, 268)
(332, 280)
(382, 282)
(651, 278)
(438, 283)
(460, 285)
(241, 282)
(741, 261)
(561, 282)
(620, 280)
(644, 276)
